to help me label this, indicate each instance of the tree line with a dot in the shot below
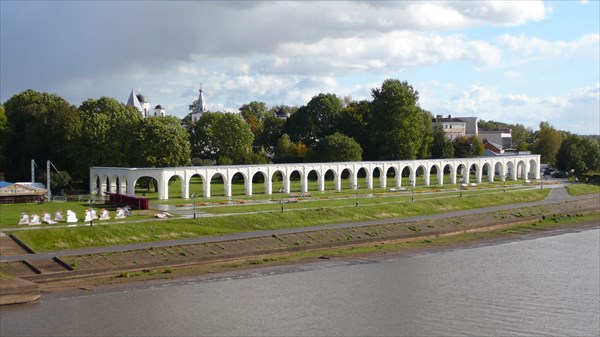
(389, 126)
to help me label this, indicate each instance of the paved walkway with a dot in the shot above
(557, 195)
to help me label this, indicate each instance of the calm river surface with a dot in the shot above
(536, 286)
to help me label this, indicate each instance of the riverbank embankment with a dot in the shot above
(89, 270)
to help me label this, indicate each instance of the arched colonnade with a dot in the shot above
(123, 180)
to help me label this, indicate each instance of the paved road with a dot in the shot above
(557, 194)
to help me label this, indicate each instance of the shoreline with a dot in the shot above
(303, 264)
(182, 263)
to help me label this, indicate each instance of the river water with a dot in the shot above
(545, 286)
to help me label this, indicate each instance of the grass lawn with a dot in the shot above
(581, 189)
(103, 235)
(258, 193)
(11, 213)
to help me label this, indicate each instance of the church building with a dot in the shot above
(200, 107)
(140, 102)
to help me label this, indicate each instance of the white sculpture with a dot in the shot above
(71, 216)
(35, 219)
(120, 214)
(24, 219)
(88, 216)
(104, 215)
(93, 214)
(47, 219)
(58, 216)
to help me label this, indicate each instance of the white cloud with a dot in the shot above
(522, 45)
(578, 110)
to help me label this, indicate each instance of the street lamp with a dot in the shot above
(356, 189)
(281, 190)
(194, 196)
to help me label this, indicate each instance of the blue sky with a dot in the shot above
(512, 61)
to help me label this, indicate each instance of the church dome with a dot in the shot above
(141, 98)
(158, 107)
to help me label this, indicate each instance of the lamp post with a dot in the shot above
(504, 182)
(195, 196)
(281, 191)
(412, 196)
(356, 190)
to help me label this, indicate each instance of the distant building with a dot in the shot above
(140, 102)
(283, 112)
(454, 127)
(471, 128)
(200, 107)
(502, 137)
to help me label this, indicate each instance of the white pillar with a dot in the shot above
(248, 186)
(163, 189)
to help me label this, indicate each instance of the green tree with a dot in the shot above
(547, 143)
(427, 135)
(3, 137)
(441, 147)
(162, 143)
(396, 126)
(287, 151)
(520, 136)
(353, 121)
(271, 131)
(107, 134)
(223, 137)
(467, 147)
(338, 147)
(41, 126)
(577, 153)
(316, 120)
(254, 113)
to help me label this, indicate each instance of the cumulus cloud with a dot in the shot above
(585, 46)
(278, 52)
(579, 109)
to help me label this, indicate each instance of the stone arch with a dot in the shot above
(438, 173)
(295, 180)
(474, 170)
(392, 172)
(462, 174)
(217, 183)
(405, 175)
(113, 187)
(486, 170)
(329, 178)
(534, 169)
(378, 173)
(313, 178)
(238, 184)
(364, 178)
(448, 168)
(145, 185)
(259, 177)
(345, 178)
(173, 182)
(521, 170)
(499, 171)
(196, 184)
(279, 180)
(511, 172)
(421, 174)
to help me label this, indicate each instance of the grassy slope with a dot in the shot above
(68, 238)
